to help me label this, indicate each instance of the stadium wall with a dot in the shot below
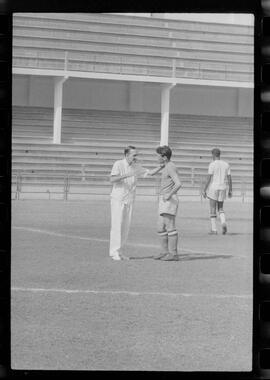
(133, 96)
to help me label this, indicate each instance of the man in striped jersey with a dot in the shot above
(168, 205)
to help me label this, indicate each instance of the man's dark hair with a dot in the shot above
(128, 149)
(216, 152)
(164, 150)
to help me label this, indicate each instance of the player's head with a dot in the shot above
(215, 153)
(164, 153)
(130, 153)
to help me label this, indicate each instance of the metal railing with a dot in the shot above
(69, 183)
(66, 62)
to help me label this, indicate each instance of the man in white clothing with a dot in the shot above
(219, 173)
(124, 179)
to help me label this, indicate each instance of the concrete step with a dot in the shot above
(126, 119)
(110, 148)
(146, 130)
(106, 164)
(128, 123)
(98, 142)
(145, 157)
(102, 145)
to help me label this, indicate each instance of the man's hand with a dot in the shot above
(204, 193)
(118, 178)
(138, 170)
(166, 197)
(131, 174)
(230, 193)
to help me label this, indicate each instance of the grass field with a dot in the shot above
(73, 308)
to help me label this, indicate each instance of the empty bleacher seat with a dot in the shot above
(93, 140)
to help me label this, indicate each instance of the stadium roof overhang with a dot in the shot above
(131, 78)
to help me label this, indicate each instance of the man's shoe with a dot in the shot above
(158, 257)
(170, 257)
(212, 233)
(224, 228)
(116, 257)
(123, 257)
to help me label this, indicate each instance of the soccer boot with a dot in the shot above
(163, 239)
(123, 257)
(224, 228)
(116, 257)
(158, 257)
(170, 257)
(172, 243)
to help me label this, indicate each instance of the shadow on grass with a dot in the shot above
(203, 257)
(238, 233)
(187, 257)
(140, 257)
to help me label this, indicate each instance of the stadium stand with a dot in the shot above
(92, 139)
(108, 43)
(82, 163)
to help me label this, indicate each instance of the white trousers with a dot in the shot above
(120, 222)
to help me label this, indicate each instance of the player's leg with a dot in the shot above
(213, 216)
(222, 217)
(212, 196)
(163, 238)
(172, 238)
(126, 221)
(116, 226)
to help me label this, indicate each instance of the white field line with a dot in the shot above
(70, 236)
(131, 293)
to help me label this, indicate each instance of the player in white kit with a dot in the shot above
(219, 174)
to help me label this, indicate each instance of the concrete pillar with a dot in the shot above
(165, 113)
(58, 99)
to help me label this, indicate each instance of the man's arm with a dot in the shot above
(230, 185)
(119, 178)
(154, 171)
(208, 180)
(115, 174)
(140, 171)
(177, 183)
